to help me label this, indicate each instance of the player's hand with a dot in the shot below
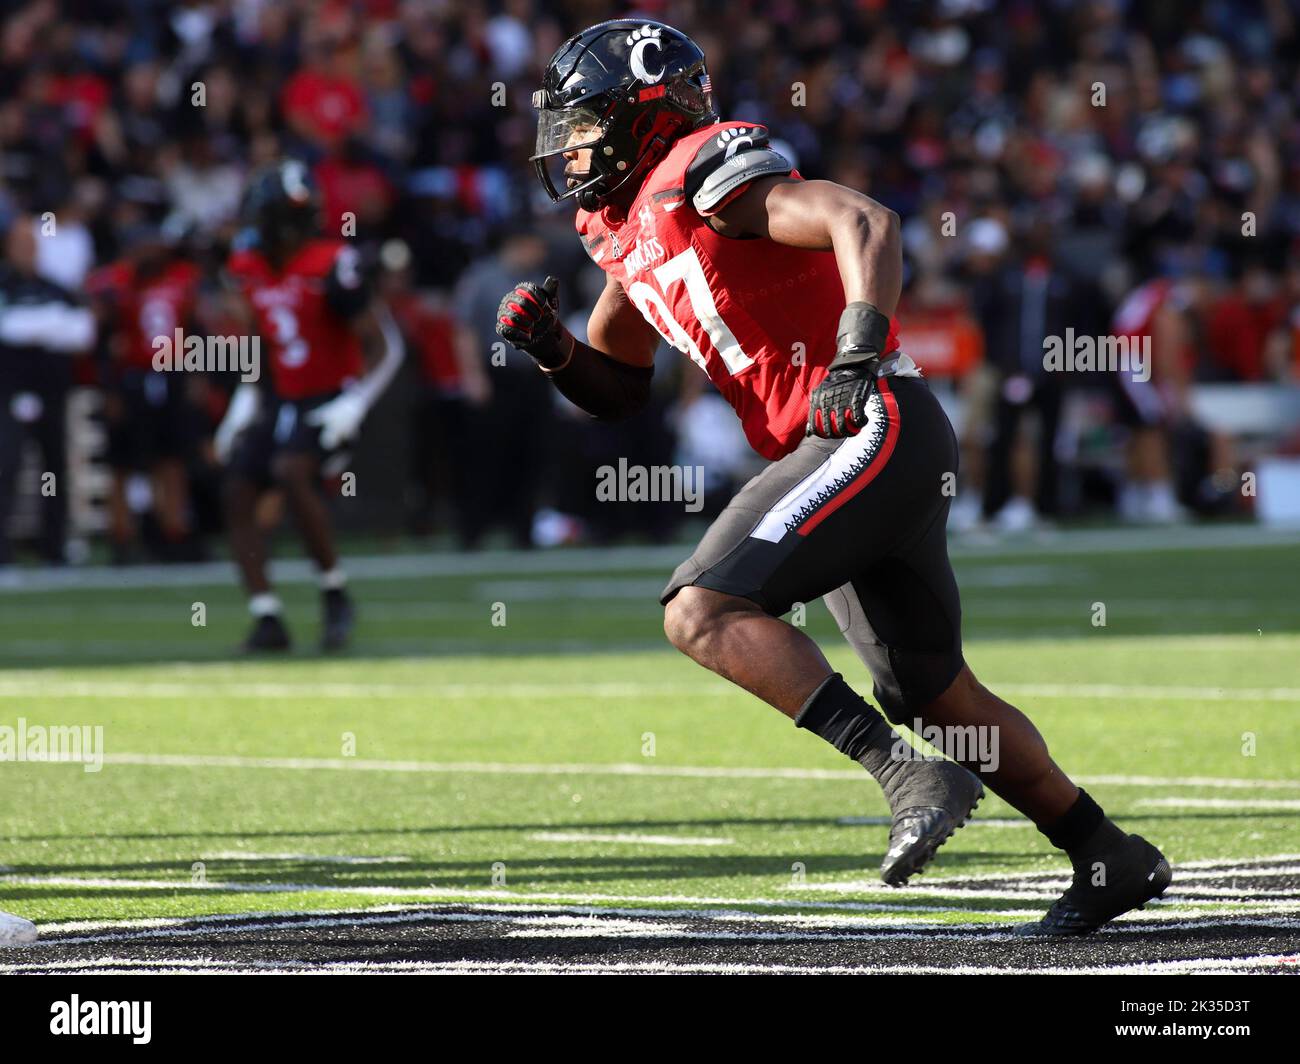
(244, 404)
(528, 319)
(837, 407)
(339, 419)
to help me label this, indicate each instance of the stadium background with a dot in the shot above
(417, 117)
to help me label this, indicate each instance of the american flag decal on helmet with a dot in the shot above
(706, 83)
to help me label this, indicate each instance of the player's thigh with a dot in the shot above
(252, 451)
(299, 457)
(826, 511)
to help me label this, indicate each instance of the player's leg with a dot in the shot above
(297, 468)
(999, 456)
(1147, 495)
(741, 642)
(1114, 872)
(790, 537)
(51, 433)
(175, 440)
(298, 475)
(903, 618)
(246, 479)
(123, 460)
(171, 499)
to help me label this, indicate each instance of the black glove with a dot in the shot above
(527, 319)
(837, 407)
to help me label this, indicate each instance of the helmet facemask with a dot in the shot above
(565, 130)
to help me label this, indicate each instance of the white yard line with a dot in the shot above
(1279, 864)
(510, 768)
(1218, 803)
(1042, 892)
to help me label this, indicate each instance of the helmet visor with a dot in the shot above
(567, 129)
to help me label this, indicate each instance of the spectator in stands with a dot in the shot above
(1021, 306)
(513, 454)
(41, 326)
(453, 392)
(419, 118)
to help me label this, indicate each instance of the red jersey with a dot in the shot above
(757, 316)
(1136, 316)
(145, 309)
(302, 313)
(433, 334)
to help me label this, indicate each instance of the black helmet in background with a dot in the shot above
(625, 90)
(282, 205)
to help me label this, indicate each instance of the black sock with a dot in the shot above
(843, 718)
(1084, 831)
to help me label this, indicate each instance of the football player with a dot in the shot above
(313, 308)
(151, 422)
(782, 291)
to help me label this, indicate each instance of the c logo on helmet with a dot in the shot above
(640, 41)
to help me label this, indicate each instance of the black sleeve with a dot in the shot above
(604, 387)
(349, 286)
(727, 162)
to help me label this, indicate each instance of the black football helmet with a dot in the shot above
(282, 205)
(625, 89)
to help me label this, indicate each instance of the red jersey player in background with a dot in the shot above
(308, 300)
(152, 422)
(711, 242)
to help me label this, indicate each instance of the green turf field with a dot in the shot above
(570, 755)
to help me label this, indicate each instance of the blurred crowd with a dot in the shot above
(1057, 164)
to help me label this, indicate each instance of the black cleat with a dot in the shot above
(932, 801)
(269, 633)
(337, 617)
(1135, 874)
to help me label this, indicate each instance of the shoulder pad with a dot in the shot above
(734, 156)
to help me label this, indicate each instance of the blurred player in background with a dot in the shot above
(309, 300)
(710, 239)
(153, 428)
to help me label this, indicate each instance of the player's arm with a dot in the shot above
(823, 216)
(350, 294)
(383, 351)
(866, 240)
(610, 377)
